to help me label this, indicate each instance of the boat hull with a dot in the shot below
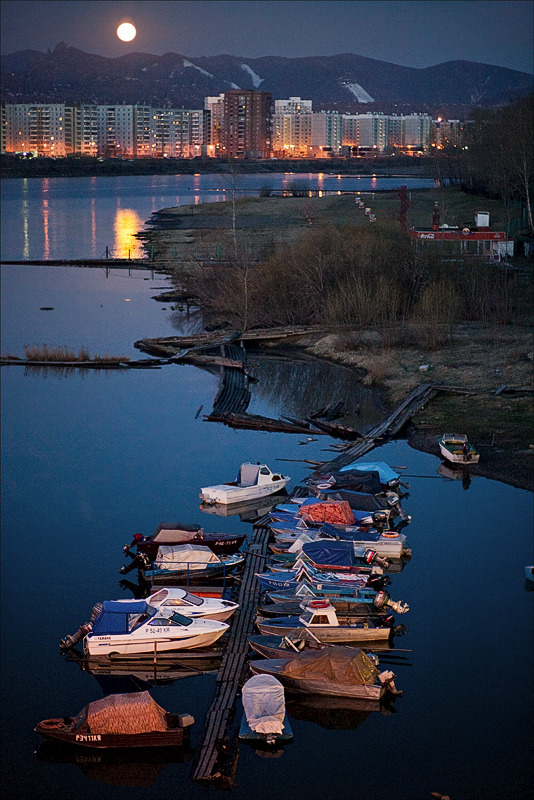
(455, 455)
(105, 645)
(332, 634)
(315, 686)
(227, 495)
(104, 741)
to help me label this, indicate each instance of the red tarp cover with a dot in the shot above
(336, 513)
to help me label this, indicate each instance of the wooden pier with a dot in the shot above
(232, 672)
(385, 430)
(110, 263)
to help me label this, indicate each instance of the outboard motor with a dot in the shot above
(394, 502)
(81, 633)
(381, 599)
(372, 557)
(381, 520)
(83, 630)
(141, 561)
(377, 582)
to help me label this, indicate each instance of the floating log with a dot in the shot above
(338, 431)
(258, 423)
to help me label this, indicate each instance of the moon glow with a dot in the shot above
(126, 32)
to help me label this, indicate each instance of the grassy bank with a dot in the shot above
(477, 355)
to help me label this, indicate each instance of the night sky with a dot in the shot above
(414, 34)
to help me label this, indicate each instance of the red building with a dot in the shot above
(246, 129)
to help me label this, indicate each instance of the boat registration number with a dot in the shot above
(88, 737)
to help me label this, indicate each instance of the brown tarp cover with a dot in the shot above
(126, 713)
(346, 665)
(338, 512)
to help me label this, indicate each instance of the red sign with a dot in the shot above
(458, 235)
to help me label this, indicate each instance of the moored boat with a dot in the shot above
(253, 480)
(119, 721)
(321, 619)
(133, 627)
(456, 448)
(174, 533)
(187, 563)
(264, 717)
(337, 671)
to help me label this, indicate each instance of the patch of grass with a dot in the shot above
(62, 354)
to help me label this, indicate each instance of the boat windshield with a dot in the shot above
(193, 599)
(179, 619)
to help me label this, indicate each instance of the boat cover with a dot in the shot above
(193, 555)
(338, 512)
(347, 665)
(351, 536)
(126, 713)
(114, 617)
(335, 554)
(264, 704)
(356, 500)
(296, 547)
(248, 474)
(385, 473)
(167, 534)
(351, 479)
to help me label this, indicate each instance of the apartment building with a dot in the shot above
(247, 125)
(40, 128)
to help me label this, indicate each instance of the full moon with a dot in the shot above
(126, 32)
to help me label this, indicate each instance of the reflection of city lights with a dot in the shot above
(127, 223)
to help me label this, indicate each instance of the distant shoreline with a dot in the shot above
(73, 167)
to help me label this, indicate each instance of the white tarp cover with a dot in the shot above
(296, 547)
(264, 704)
(194, 555)
(173, 535)
(248, 474)
(126, 713)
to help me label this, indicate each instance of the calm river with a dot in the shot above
(90, 458)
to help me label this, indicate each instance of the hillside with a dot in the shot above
(346, 83)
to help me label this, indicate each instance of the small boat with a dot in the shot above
(321, 619)
(169, 599)
(264, 718)
(337, 671)
(291, 579)
(119, 721)
(253, 480)
(186, 562)
(456, 448)
(129, 627)
(173, 533)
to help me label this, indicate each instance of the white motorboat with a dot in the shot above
(457, 449)
(169, 599)
(254, 480)
(129, 627)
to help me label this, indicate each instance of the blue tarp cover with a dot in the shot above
(339, 554)
(384, 470)
(114, 616)
(351, 536)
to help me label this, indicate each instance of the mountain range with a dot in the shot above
(346, 83)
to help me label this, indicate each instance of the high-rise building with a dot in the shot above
(246, 130)
(36, 127)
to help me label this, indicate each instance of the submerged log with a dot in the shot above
(256, 422)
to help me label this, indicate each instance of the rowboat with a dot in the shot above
(253, 480)
(119, 721)
(321, 619)
(456, 448)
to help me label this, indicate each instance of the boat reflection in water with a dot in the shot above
(141, 767)
(455, 473)
(248, 510)
(336, 713)
(123, 675)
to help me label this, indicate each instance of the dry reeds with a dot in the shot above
(63, 354)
